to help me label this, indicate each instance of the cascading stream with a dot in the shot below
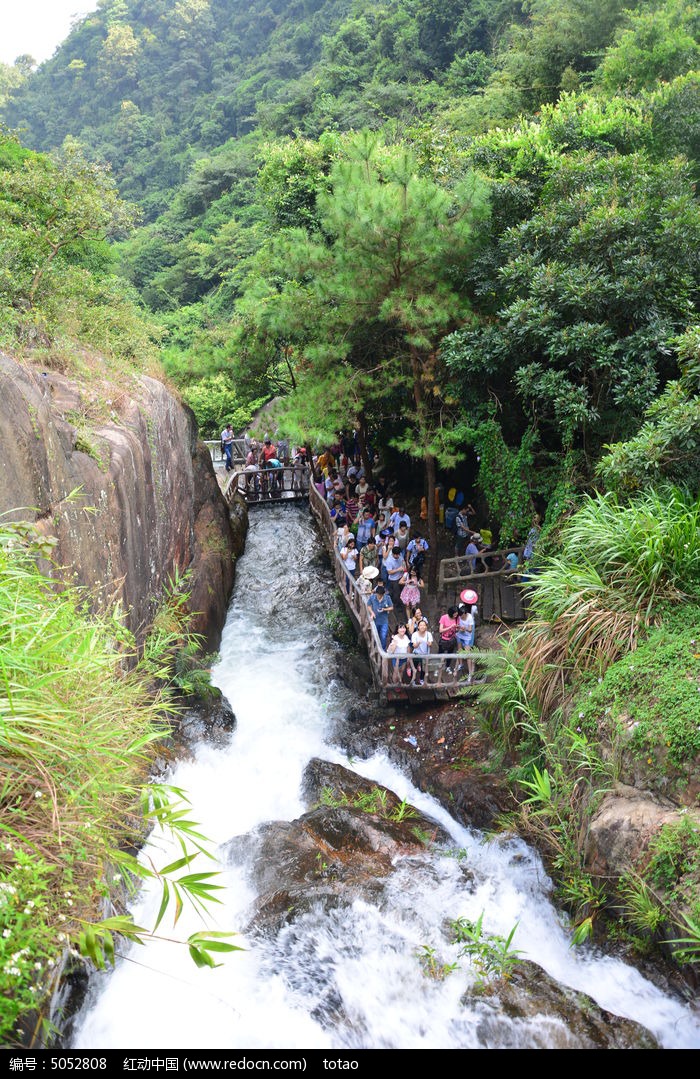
(345, 978)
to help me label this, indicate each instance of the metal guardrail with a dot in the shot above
(214, 447)
(288, 483)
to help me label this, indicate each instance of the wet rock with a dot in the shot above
(212, 719)
(440, 748)
(364, 729)
(472, 797)
(565, 1018)
(357, 673)
(342, 784)
(621, 830)
(333, 854)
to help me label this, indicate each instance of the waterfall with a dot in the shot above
(348, 978)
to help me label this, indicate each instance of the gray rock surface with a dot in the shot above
(147, 503)
(621, 830)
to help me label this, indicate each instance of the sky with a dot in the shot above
(37, 27)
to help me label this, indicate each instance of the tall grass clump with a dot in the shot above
(620, 569)
(617, 562)
(77, 715)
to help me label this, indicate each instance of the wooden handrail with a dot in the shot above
(464, 566)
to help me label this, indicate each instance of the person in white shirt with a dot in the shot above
(399, 517)
(400, 645)
(421, 640)
(227, 446)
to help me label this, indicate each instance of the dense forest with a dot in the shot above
(516, 182)
(469, 229)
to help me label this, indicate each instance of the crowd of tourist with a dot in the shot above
(381, 550)
(385, 554)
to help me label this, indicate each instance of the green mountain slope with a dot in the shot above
(150, 85)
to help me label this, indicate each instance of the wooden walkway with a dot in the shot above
(445, 675)
(501, 596)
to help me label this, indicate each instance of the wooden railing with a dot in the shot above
(500, 591)
(437, 677)
(287, 483)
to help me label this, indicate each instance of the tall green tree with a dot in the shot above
(591, 277)
(378, 293)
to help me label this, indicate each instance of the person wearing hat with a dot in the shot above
(364, 581)
(379, 606)
(466, 630)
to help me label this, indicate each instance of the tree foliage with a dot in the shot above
(226, 122)
(56, 266)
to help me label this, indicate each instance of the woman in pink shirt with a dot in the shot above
(447, 634)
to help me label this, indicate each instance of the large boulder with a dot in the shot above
(115, 474)
(621, 830)
(343, 849)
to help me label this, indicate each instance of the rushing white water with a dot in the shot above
(345, 978)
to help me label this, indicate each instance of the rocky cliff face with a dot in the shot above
(115, 474)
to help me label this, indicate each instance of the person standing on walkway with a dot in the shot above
(421, 640)
(532, 538)
(350, 557)
(410, 593)
(369, 555)
(466, 630)
(379, 606)
(473, 548)
(447, 640)
(395, 566)
(399, 516)
(416, 553)
(252, 483)
(366, 528)
(267, 454)
(227, 446)
(400, 646)
(462, 532)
